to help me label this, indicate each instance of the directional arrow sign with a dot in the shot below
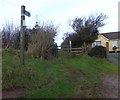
(27, 13)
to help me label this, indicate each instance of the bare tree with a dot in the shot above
(8, 34)
(42, 40)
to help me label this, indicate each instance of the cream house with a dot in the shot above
(110, 40)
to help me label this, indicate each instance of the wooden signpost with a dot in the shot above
(22, 33)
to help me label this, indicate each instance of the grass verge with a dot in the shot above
(62, 77)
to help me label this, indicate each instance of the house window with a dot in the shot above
(98, 43)
(114, 43)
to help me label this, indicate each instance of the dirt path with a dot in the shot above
(12, 93)
(73, 73)
(109, 87)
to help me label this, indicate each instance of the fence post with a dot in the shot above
(107, 49)
(70, 47)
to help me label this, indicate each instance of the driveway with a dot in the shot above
(114, 58)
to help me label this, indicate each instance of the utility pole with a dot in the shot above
(22, 35)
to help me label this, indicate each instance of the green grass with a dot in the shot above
(14, 75)
(48, 79)
(90, 64)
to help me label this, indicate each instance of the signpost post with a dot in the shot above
(22, 33)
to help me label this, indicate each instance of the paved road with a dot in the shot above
(114, 58)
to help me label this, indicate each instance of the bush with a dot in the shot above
(42, 41)
(98, 51)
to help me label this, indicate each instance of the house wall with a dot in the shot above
(110, 45)
(102, 39)
(103, 43)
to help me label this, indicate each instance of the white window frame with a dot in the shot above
(115, 43)
(98, 43)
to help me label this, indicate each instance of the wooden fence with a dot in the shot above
(67, 50)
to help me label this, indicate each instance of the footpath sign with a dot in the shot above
(27, 13)
(22, 33)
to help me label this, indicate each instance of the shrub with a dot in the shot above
(98, 51)
(42, 41)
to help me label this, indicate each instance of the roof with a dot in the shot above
(111, 35)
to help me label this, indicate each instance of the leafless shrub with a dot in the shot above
(42, 40)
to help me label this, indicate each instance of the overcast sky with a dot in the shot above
(59, 12)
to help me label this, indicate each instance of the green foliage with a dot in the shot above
(98, 51)
(86, 30)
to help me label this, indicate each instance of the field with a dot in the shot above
(62, 77)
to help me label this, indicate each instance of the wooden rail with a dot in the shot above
(67, 50)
